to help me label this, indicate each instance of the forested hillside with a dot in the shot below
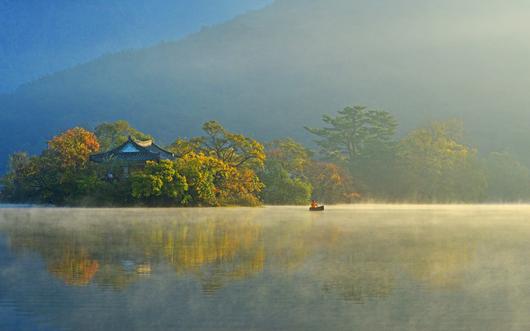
(270, 73)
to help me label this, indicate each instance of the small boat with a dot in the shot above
(319, 208)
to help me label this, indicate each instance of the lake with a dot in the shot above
(366, 267)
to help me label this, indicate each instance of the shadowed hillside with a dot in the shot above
(270, 72)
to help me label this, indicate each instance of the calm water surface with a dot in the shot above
(284, 268)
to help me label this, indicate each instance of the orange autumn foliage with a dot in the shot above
(75, 270)
(74, 146)
(331, 183)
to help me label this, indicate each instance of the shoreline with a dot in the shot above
(359, 206)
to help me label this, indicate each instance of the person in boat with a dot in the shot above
(314, 204)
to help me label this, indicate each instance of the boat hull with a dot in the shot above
(321, 208)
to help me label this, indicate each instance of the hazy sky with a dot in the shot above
(39, 37)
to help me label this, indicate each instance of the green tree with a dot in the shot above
(240, 187)
(508, 179)
(281, 188)
(160, 183)
(18, 162)
(354, 134)
(17, 187)
(220, 166)
(362, 141)
(65, 166)
(233, 149)
(436, 167)
(201, 173)
(182, 147)
(111, 135)
(35, 181)
(331, 183)
(60, 175)
(213, 182)
(283, 173)
(291, 155)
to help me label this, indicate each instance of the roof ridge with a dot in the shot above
(162, 149)
(151, 149)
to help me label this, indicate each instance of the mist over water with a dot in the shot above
(367, 267)
(445, 85)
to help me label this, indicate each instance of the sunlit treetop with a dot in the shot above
(74, 146)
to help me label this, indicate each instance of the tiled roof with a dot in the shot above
(132, 150)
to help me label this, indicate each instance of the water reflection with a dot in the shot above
(356, 262)
(253, 264)
(74, 268)
(215, 251)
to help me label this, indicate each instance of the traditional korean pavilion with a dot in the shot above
(133, 153)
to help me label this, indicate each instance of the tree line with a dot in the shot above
(358, 157)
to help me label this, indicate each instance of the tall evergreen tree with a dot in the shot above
(361, 140)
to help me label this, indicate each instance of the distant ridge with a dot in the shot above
(270, 72)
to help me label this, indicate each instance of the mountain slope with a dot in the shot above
(269, 73)
(39, 37)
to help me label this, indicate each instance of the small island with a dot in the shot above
(358, 157)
